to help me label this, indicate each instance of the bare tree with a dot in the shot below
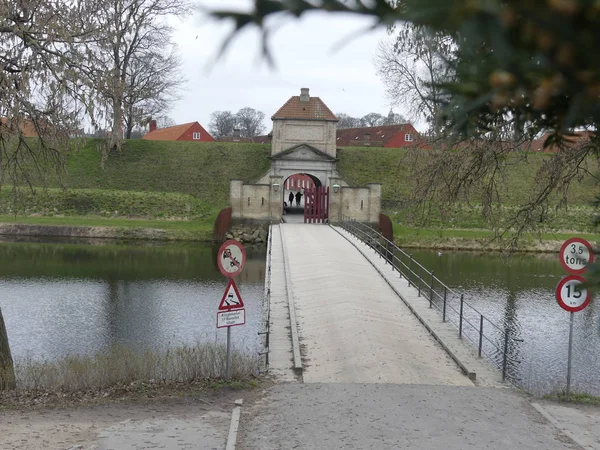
(346, 121)
(152, 84)
(7, 371)
(394, 118)
(222, 124)
(131, 31)
(372, 120)
(412, 64)
(250, 122)
(43, 93)
(165, 122)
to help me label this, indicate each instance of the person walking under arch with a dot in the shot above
(298, 197)
(291, 199)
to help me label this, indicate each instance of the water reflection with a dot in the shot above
(518, 294)
(60, 299)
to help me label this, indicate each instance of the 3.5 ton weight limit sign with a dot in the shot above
(575, 255)
(570, 295)
(231, 258)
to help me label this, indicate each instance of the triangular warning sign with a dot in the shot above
(231, 298)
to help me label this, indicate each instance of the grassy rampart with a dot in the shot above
(183, 185)
(362, 165)
(200, 169)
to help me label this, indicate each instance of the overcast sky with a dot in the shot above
(305, 54)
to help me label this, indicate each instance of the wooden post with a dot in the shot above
(7, 370)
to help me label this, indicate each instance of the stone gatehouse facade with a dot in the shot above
(303, 142)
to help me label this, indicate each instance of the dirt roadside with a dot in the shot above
(179, 416)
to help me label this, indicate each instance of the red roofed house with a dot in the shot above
(578, 138)
(192, 131)
(26, 127)
(389, 136)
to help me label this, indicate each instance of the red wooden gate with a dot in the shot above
(316, 205)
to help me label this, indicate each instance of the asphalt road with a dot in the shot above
(386, 416)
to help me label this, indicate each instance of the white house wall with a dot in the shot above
(288, 133)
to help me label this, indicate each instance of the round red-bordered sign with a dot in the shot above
(569, 298)
(231, 258)
(575, 254)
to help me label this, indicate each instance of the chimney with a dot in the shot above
(152, 126)
(304, 97)
(236, 134)
(367, 138)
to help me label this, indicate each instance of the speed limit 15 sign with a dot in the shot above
(575, 255)
(570, 295)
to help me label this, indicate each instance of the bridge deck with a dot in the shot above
(352, 327)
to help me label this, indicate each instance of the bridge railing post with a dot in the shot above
(460, 319)
(444, 309)
(505, 358)
(409, 269)
(480, 334)
(431, 290)
(420, 279)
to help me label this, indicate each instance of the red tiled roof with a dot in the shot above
(313, 109)
(355, 136)
(168, 134)
(573, 140)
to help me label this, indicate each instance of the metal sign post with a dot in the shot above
(575, 254)
(571, 297)
(231, 259)
(569, 357)
(228, 358)
(231, 313)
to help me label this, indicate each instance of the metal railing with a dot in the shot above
(491, 340)
(266, 304)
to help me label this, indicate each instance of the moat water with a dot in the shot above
(68, 298)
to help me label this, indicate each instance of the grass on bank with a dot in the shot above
(576, 397)
(194, 226)
(122, 366)
(122, 228)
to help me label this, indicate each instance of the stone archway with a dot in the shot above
(297, 183)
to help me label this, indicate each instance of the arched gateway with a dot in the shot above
(304, 142)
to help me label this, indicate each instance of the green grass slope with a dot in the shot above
(389, 166)
(157, 180)
(362, 165)
(200, 169)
